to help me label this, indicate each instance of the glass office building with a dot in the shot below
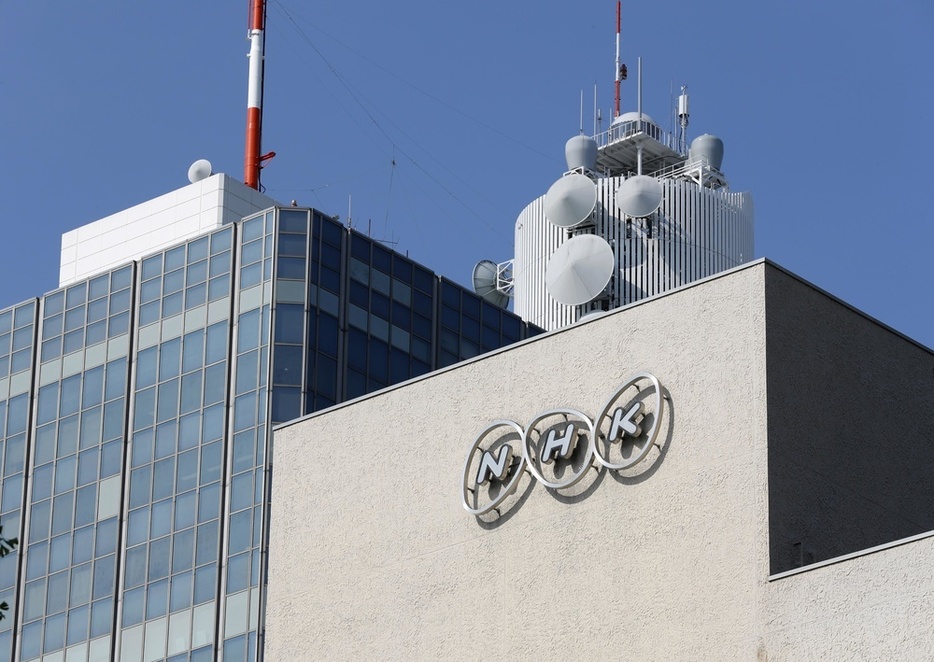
(135, 416)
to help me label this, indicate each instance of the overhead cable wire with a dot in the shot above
(357, 97)
(421, 91)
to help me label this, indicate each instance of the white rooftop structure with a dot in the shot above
(155, 224)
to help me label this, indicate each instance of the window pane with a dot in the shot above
(290, 319)
(159, 559)
(206, 543)
(287, 365)
(193, 350)
(103, 577)
(45, 445)
(138, 526)
(204, 584)
(286, 404)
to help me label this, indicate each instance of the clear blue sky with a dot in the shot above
(824, 107)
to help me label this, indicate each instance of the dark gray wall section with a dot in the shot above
(851, 424)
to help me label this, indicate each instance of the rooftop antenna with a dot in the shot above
(252, 161)
(620, 68)
(683, 117)
(582, 112)
(639, 108)
(596, 110)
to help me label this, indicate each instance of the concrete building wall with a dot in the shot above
(851, 419)
(373, 557)
(156, 224)
(874, 607)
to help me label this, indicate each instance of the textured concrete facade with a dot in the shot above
(373, 557)
(850, 425)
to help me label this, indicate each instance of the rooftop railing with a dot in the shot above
(630, 128)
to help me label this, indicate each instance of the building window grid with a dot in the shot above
(302, 253)
(175, 479)
(17, 325)
(246, 456)
(470, 326)
(390, 301)
(71, 534)
(411, 305)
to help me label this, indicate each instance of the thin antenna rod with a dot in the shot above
(639, 93)
(640, 125)
(595, 108)
(254, 103)
(582, 112)
(618, 65)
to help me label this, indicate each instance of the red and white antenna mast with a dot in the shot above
(252, 161)
(620, 68)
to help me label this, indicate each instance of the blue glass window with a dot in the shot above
(151, 267)
(293, 221)
(206, 546)
(290, 267)
(287, 365)
(328, 333)
(180, 594)
(221, 241)
(292, 244)
(197, 273)
(216, 344)
(97, 310)
(326, 376)
(290, 320)
(331, 232)
(286, 403)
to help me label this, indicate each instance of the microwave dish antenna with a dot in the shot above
(200, 169)
(571, 200)
(485, 274)
(579, 270)
(640, 195)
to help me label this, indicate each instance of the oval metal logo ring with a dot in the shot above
(550, 447)
(626, 421)
(497, 462)
(560, 441)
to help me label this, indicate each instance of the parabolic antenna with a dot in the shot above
(200, 169)
(570, 200)
(484, 284)
(579, 270)
(639, 195)
(592, 314)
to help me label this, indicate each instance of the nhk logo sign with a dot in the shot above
(559, 446)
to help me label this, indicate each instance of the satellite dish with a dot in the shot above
(570, 201)
(200, 169)
(639, 195)
(484, 284)
(579, 270)
(592, 314)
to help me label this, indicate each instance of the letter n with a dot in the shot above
(495, 467)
